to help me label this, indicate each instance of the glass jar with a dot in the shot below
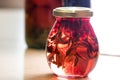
(38, 21)
(72, 47)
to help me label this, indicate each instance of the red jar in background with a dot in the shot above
(38, 21)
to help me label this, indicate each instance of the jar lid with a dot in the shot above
(77, 12)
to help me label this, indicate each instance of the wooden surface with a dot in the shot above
(36, 67)
(31, 64)
(17, 62)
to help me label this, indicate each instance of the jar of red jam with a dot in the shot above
(38, 21)
(72, 46)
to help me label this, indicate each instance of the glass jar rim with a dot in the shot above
(77, 12)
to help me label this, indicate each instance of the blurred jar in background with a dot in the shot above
(38, 21)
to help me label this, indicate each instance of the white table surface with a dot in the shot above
(19, 63)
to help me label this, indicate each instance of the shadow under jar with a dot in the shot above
(72, 47)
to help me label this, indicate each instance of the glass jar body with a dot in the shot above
(72, 47)
(38, 21)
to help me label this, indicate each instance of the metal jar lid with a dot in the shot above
(76, 12)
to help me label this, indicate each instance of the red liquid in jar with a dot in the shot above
(72, 47)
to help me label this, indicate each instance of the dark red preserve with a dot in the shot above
(72, 46)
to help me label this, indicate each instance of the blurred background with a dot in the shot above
(12, 42)
(13, 48)
(11, 3)
(105, 22)
(12, 24)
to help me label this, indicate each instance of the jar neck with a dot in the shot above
(73, 19)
